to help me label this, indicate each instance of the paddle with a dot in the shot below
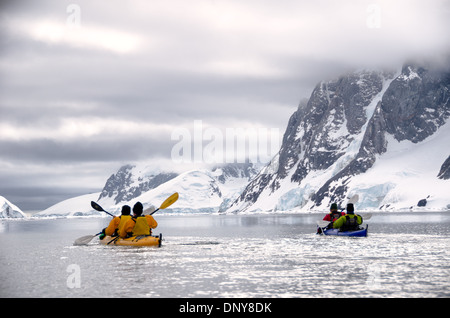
(168, 202)
(97, 207)
(84, 240)
(322, 223)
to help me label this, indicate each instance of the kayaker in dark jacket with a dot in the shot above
(349, 221)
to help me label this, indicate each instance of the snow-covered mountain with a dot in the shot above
(77, 206)
(199, 190)
(9, 210)
(380, 138)
(131, 181)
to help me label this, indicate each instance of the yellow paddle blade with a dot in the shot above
(169, 201)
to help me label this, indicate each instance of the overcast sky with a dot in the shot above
(87, 86)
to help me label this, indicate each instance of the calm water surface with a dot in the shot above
(264, 255)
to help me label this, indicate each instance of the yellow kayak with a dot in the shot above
(133, 241)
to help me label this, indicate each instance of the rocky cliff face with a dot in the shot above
(342, 130)
(131, 181)
(416, 103)
(444, 172)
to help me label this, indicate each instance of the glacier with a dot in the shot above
(407, 173)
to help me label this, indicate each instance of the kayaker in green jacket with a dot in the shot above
(349, 221)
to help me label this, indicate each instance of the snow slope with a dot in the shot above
(198, 192)
(78, 206)
(405, 174)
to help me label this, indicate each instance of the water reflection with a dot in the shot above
(4, 226)
(216, 222)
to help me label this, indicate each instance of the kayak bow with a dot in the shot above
(358, 233)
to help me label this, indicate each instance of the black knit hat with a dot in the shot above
(333, 207)
(350, 208)
(126, 210)
(138, 208)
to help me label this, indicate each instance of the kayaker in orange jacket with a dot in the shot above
(139, 224)
(117, 223)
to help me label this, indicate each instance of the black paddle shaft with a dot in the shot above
(99, 208)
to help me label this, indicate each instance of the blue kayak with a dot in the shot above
(359, 233)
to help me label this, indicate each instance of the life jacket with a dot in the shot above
(335, 215)
(123, 221)
(141, 226)
(350, 224)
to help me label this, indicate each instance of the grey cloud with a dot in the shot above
(37, 198)
(113, 149)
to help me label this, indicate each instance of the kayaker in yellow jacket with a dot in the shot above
(139, 224)
(349, 221)
(117, 223)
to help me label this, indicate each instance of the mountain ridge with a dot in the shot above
(342, 130)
